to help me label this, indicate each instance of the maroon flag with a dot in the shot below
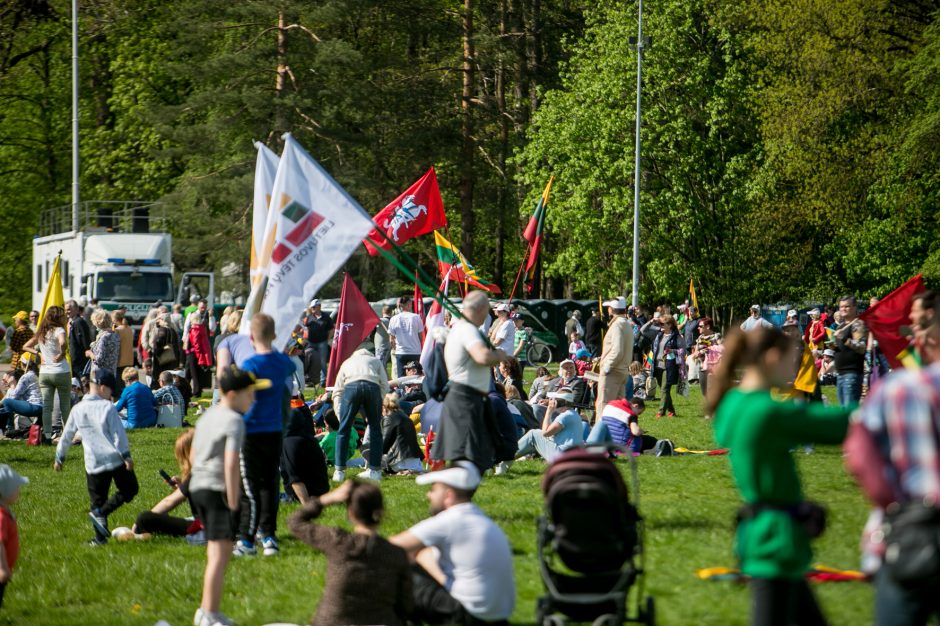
(419, 303)
(885, 319)
(418, 211)
(354, 322)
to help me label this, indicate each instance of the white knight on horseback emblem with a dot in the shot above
(404, 215)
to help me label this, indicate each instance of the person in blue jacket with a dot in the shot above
(138, 400)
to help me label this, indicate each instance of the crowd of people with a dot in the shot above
(464, 412)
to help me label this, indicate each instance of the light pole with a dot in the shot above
(640, 43)
(76, 198)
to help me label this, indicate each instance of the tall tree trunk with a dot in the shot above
(502, 192)
(280, 80)
(534, 46)
(468, 147)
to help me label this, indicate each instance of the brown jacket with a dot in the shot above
(618, 346)
(126, 357)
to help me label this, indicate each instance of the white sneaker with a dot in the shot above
(502, 468)
(372, 474)
(199, 618)
(339, 476)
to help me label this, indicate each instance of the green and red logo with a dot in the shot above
(305, 222)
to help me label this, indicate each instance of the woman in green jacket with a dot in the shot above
(773, 535)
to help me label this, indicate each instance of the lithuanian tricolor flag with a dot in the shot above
(453, 265)
(533, 233)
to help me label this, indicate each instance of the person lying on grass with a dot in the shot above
(357, 562)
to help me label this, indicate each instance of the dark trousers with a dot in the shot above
(434, 605)
(365, 396)
(261, 480)
(162, 524)
(778, 602)
(199, 375)
(898, 605)
(99, 485)
(312, 365)
(3, 587)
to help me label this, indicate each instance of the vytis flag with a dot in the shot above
(354, 322)
(265, 171)
(693, 299)
(886, 319)
(453, 265)
(417, 211)
(54, 297)
(434, 320)
(313, 227)
(806, 377)
(533, 233)
(418, 304)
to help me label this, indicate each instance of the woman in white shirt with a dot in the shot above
(55, 375)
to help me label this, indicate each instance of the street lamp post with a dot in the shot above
(640, 43)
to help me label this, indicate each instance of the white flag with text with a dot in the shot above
(265, 172)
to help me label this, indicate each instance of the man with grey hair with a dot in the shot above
(616, 355)
(463, 432)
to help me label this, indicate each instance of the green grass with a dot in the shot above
(688, 502)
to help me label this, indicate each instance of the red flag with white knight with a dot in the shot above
(354, 323)
(417, 211)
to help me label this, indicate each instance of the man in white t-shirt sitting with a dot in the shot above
(405, 330)
(562, 428)
(463, 561)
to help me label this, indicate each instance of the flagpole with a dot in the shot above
(519, 273)
(636, 173)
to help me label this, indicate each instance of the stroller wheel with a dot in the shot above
(649, 614)
(553, 620)
(607, 620)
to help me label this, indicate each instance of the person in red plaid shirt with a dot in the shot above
(902, 417)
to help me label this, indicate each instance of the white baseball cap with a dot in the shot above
(755, 307)
(314, 302)
(814, 312)
(463, 475)
(791, 313)
(562, 394)
(10, 480)
(566, 362)
(618, 303)
(502, 306)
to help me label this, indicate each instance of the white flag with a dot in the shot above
(265, 172)
(313, 228)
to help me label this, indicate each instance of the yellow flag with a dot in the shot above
(692, 297)
(54, 297)
(806, 378)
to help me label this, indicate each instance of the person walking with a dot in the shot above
(616, 355)
(199, 326)
(405, 328)
(776, 523)
(55, 376)
(360, 385)
(668, 359)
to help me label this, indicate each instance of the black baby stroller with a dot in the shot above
(588, 539)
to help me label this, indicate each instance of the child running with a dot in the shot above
(10, 483)
(107, 453)
(214, 481)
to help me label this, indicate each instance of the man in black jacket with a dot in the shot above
(79, 337)
(592, 332)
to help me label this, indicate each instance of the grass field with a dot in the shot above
(688, 502)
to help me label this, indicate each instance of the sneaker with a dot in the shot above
(502, 468)
(197, 538)
(199, 617)
(372, 474)
(339, 476)
(244, 548)
(100, 523)
(218, 619)
(659, 414)
(269, 544)
(97, 541)
(670, 414)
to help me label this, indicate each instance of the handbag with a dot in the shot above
(35, 435)
(167, 356)
(912, 542)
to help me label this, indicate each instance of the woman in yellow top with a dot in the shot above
(775, 523)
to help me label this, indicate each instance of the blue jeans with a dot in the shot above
(11, 407)
(849, 388)
(535, 441)
(323, 349)
(601, 434)
(902, 606)
(365, 396)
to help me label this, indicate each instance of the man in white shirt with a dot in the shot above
(463, 561)
(405, 329)
(755, 321)
(360, 386)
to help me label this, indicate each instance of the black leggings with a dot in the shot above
(100, 484)
(162, 524)
(779, 602)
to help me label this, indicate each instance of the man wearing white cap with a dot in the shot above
(562, 428)
(405, 330)
(755, 321)
(616, 355)
(463, 561)
(318, 331)
(503, 332)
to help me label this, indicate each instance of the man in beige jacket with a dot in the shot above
(616, 355)
(361, 383)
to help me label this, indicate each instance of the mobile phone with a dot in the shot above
(167, 479)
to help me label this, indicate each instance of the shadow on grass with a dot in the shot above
(684, 523)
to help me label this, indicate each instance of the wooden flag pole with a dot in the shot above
(519, 273)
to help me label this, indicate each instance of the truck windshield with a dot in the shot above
(135, 286)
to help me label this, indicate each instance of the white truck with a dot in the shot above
(120, 256)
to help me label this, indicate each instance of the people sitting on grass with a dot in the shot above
(544, 382)
(619, 424)
(328, 441)
(567, 378)
(303, 465)
(401, 453)
(368, 580)
(169, 394)
(138, 402)
(107, 453)
(562, 428)
(463, 561)
(23, 394)
(158, 521)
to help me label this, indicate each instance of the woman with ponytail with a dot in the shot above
(775, 524)
(368, 580)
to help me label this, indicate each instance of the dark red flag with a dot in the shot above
(885, 319)
(417, 211)
(354, 322)
(418, 304)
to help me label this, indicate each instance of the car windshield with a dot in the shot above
(135, 286)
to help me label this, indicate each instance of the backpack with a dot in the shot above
(664, 447)
(435, 374)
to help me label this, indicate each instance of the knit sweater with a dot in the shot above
(368, 580)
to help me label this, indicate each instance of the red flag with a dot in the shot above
(418, 304)
(533, 234)
(354, 322)
(416, 212)
(886, 318)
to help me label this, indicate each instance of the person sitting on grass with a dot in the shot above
(158, 521)
(303, 465)
(24, 398)
(169, 394)
(138, 400)
(107, 453)
(328, 441)
(356, 561)
(215, 483)
(562, 428)
(401, 453)
(10, 483)
(619, 424)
